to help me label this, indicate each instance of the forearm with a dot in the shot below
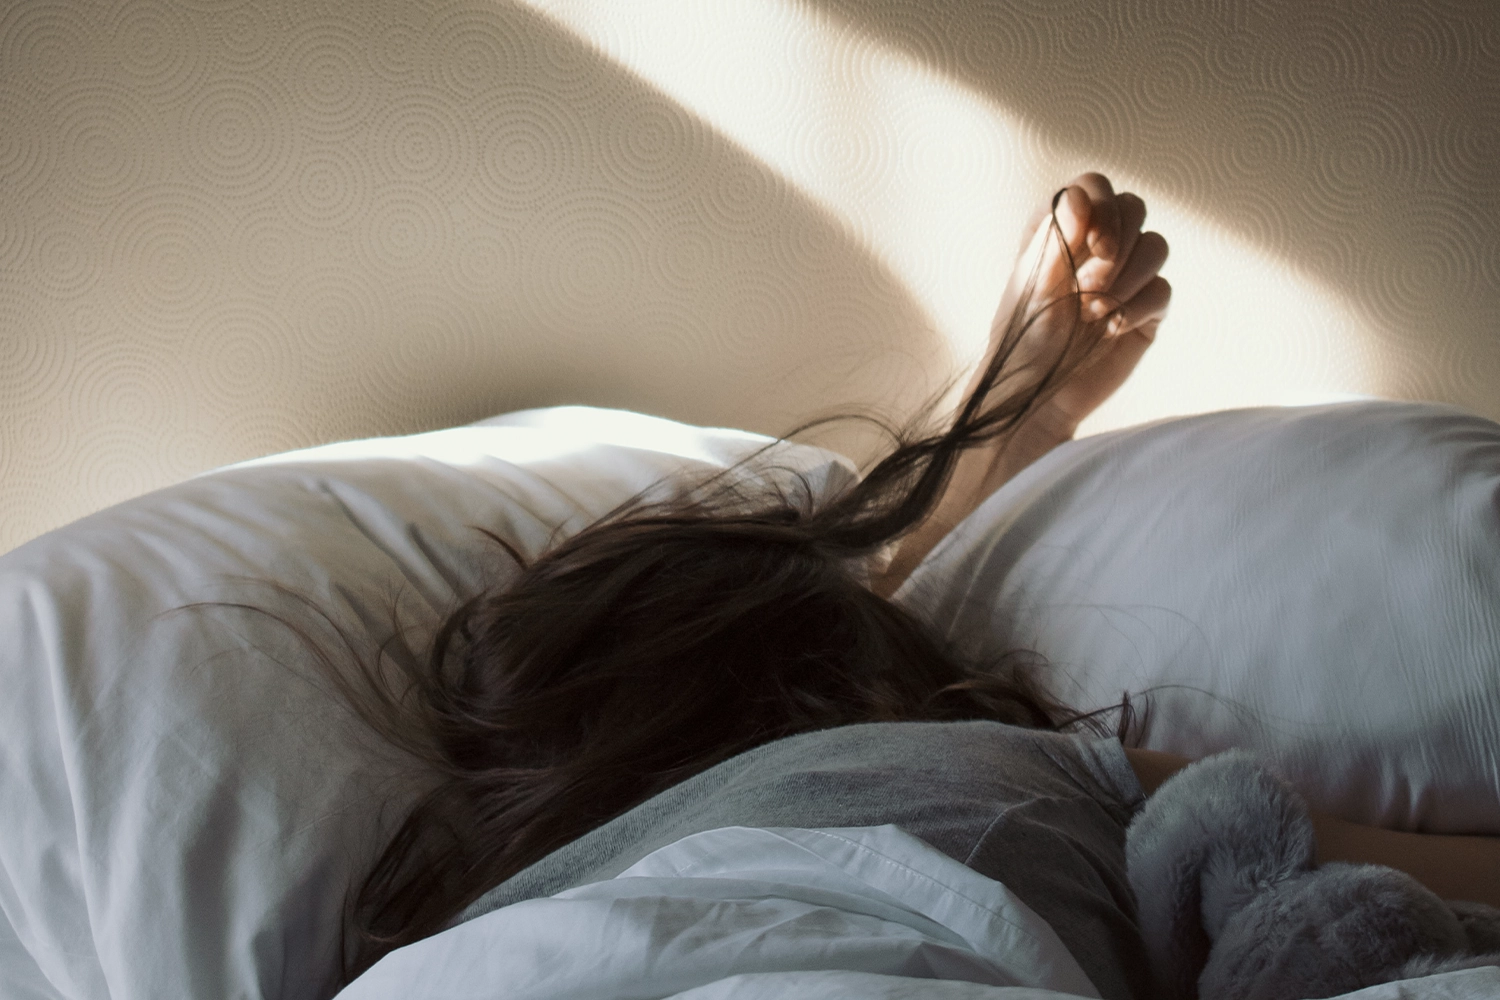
(978, 473)
(1453, 867)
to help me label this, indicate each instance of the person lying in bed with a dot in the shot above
(733, 660)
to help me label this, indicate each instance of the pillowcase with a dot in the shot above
(185, 799)
(1321, 585)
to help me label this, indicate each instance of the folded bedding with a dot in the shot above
(743, 901)
(1043, 813)
(792, 914)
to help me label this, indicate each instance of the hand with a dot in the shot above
(1118, 284)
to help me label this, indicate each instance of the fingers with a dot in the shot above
(1146, 258)
(1115, 264)
(1145, 311)
(1104, 228)
(1074, 213)
(1100, 279)
(1132, 216)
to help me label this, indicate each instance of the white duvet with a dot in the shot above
(739, 913)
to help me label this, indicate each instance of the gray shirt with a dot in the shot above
(1043, 813)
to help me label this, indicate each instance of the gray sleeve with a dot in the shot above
(1099, 764)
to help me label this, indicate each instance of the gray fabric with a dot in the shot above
(1043, 813)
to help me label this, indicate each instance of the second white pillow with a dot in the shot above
(1319, 584)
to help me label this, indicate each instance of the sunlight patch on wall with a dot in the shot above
(936, 181)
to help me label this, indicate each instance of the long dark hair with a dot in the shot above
(668, 637)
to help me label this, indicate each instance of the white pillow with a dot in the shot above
(179, 812)
(1329, 577)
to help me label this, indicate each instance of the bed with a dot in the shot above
(185, 801)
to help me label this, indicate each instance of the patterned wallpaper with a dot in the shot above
(232, 227)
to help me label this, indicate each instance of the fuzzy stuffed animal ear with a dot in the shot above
(1200, 849)
(1221, 860)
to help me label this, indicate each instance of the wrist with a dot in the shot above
(1045, 428)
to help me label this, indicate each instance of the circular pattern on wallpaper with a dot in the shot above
(488, 261)
(529, 142)
(30, 447)
(1405, 289)
(587, 258)
(742, 195)
(1462, 365)
(397, 51)
(813, 247)
(929, 40)
(1077, 43)
(244, 432)
(1326, 53)
(159, 51)
(243, 38)
(571, 68)
(843, 148)
(268, 250)
(185, 452)
(1361, 154)
(1419, 38)
(1106, 121)
(164, 259)
(240, 352)
(930, 151)
(1260, 217)
(1464, 152)
(427, 345)
(29, 148)
(117, 381)
(757, 307)
(43, 43)
(988, 49)
(239, 139)
(650, 147)
(330, 190)
(63, 261)
(334, 311)
(106, 133)
(1178, 66)
(482, 47)
(423, 138)
(1266, 138)
(37, 362)
(685, 254)
(107, 462)
(407, 225)
(334, 89)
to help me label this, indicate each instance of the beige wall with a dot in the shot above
(231, 227)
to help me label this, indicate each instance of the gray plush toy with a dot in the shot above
(1233, 907)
